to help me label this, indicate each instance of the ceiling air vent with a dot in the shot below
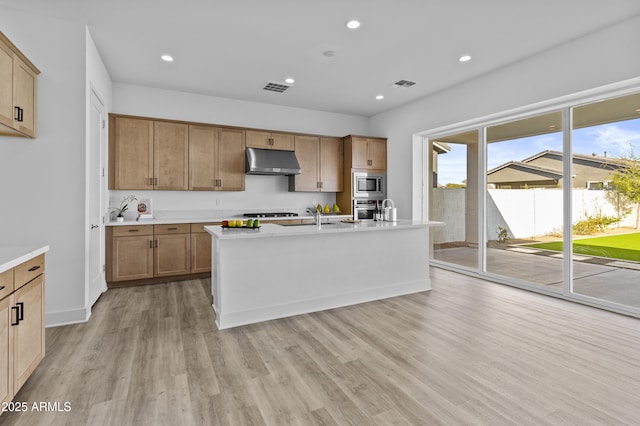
(404, 83)
(275, 87)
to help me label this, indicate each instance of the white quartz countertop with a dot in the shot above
(216, 218)
(10, 257)
(274, 230)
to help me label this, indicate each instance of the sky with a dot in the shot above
(617, 139)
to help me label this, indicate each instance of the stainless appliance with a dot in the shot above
(370, 186)
(365, 209)
(271, 162)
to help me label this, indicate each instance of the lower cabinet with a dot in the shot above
(148, 253)
(22, 337)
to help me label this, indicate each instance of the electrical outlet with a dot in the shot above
(218, 202)
(314, 202)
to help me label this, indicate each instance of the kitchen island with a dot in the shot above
(279, 271)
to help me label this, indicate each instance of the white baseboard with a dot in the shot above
(73, 316)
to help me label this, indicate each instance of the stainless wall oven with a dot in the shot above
(365, 209)
(369, 185)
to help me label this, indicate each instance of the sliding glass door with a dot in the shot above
(549, 202)
(606, 199)
(524, 199)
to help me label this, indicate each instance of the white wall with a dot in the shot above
(261, 192)
(608, 56)
(42, 180)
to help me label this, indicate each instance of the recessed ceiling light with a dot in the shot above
(464, 58)
(289, 80)
(353, 24)
(167, 58)
(329, 53)
(379, 97)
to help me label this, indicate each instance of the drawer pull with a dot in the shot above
(34, 268)
(172, 229)
(1, 287)
(134, 230)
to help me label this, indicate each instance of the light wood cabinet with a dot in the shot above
(18, 91)
(147, 154)
(200, 248)
(366, 153)
(170, 156)
(270, 140)
(172, 250)
(216, 159)
(321, 161)
(22, 336)
(129, 252)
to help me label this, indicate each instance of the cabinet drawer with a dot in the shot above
(199, 227)
(182, 228)
(6, 283)
(28, 270)
(120, 231)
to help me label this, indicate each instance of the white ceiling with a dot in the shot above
(232, 48)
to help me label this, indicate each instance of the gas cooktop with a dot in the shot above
(275, 214)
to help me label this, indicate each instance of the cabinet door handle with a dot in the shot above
(20, 306)
(150, 243)
(17, 313)
(150, 181)
(34, 268)
(17, 115)
(155, 244)
(21, 114)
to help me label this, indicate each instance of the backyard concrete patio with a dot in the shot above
(608, 279)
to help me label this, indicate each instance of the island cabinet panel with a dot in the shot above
(216, 159)
(130, 153)
(28, 336)
(18, 91)
(270, 140)
(170, 156)
(321, 162)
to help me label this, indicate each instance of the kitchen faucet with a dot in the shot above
(317, 215)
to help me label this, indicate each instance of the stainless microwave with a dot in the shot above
(370, 185)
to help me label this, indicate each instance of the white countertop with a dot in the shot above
(214, 218)
(274, 230)
(10, 257)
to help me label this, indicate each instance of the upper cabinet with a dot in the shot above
(18, 89)
(367, 153)
(216, 158)
(270, 140)
(147, 154)
(321, 161)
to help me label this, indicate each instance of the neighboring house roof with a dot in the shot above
(526, 168)
(598, 159)
(598, 162)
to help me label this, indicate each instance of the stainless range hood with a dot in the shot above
(271, 162)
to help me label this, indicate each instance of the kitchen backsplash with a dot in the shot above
(262, 193)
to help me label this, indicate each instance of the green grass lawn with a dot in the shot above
(623, 246)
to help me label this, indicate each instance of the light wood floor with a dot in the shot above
(469, 352)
